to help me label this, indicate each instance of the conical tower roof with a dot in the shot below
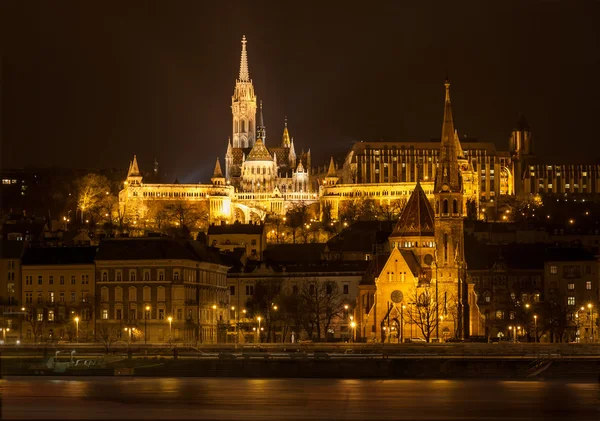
(218, 172)
(134, 170)
(331, 172)
(417, 216)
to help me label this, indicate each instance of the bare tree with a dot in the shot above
(322, 303)
(107, 335)
(91, 190)
(35, 323)
(423, 311)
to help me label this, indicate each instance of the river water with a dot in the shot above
(296, 399)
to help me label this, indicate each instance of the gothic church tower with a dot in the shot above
(449, 215)
(243, 105)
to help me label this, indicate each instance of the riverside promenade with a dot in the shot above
(462, 360)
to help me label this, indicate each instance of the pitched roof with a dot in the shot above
(259, 152)
(416, 217)
(155, 248)
(59, 256)
(11, 249)
(236, 229)
(361, 236)
(295, 252)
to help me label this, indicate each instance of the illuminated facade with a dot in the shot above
(258, 180)
(424, 284)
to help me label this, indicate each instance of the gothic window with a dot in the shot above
(445, 207)
(437, 207)
(243, 126)
(236, 126)
(446, 245)
(454, 206)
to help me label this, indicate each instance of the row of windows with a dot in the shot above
(133, 294)
(572, 271)
(133, 314)
(85, 280)
(588, 285)
(52, 297)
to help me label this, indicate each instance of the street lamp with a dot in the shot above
(591, 307)
(402, 323)
(535, 327)
(4, 330)
(353, 326)
(77, 328)
(170, 319)
(146, 324)
(259, 319)
(214, 307)
(236, 323)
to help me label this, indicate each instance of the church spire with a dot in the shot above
(217, 178)
(285, 140)
(244, 73)
(448, 172)
(262, 130)
(331, 172)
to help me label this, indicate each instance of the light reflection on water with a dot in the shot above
(297, 399)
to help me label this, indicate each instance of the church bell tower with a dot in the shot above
(243, 105)
(449, 216)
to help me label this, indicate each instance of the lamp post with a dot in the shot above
(77, 328)
(170, 319)
(591, 307)
(4, 330)
(258, 331)
(402, 323)
(146, 325)
(236, 323)
(214, 307)
(353, 326)
(535, 328)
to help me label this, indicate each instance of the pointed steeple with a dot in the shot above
(448, 175)
(229, 148)
(261, 129)
(134, 170)
(134, 176)
(217, 172)
(292, 154)
(244, 73)
(331, 172)
(217, 178)
(285, 140)
(331, 178)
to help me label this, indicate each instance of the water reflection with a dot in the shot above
(297, 399)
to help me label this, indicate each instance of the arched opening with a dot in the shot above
(454, 206)
(437, 207)
(445, 206)
(243, 126)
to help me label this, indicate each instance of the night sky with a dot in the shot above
(87, 86)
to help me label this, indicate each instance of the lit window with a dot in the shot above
(588, 285)
(50, 315)
(104, 314)
(571, 286)
(553, 270)
(571, 301)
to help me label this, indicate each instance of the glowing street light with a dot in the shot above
(77, 328)
(146, 324)
(170, 319)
